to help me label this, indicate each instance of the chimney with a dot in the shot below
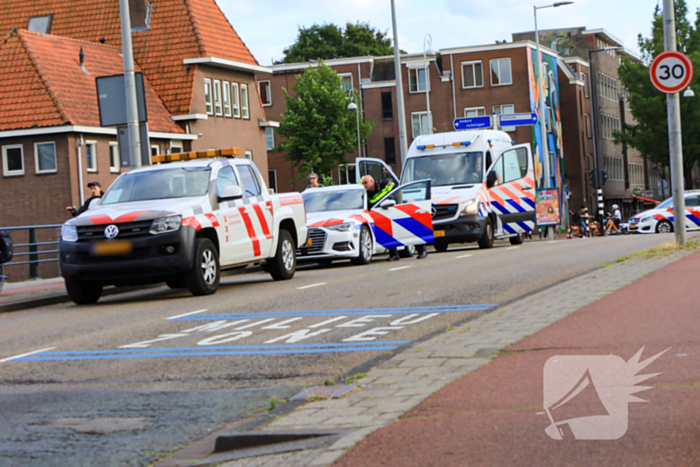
(138, 13)
(82, 62)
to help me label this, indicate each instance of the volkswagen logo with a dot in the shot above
(111, 231)
(433, 211)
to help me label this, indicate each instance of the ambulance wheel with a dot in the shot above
(407, 252)
(283, 265)
(83, 292)
(517, 240)
(176, 282)
(440, 246)
(664, 227)
(205, 275)
(366, 247)
(487, 240)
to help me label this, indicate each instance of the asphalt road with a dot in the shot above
(140, 374)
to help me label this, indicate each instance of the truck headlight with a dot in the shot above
(344, 227)
(471, 208)
(69, 233)
(166, 224)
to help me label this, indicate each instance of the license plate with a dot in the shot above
(632, 227)
(111, 248)
(439, 233)
(309, 243)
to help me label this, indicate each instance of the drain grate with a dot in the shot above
(331, 392)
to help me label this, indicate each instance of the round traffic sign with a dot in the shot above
(671, 72)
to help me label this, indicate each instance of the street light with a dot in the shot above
(427, 42)
(353, 106)
(688, 93)
(542, 103)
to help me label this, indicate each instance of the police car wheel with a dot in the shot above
(83, 292)
(440, 246)
(366, 248)
(487, 240)
(284, 264)
(205, 275)
(664, 227)
(517, 240)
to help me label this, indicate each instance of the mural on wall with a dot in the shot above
(562, 44)
(552, 116)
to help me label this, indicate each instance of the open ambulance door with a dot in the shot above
(377, 168)
(514, 191)
(403, 217)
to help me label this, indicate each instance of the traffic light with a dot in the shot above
(603, 176)
(592, 179)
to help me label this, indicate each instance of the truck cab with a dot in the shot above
(482, 185)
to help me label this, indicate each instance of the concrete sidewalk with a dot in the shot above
(419, 408)
(29, 294)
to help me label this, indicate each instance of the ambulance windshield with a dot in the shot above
(445, 169)
(159, 184)
(319, 201)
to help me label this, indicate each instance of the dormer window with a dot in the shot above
(40, 24)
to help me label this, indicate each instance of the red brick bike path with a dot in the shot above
(489, 417)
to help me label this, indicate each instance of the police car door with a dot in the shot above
(513, 196)
(403, 217)
(377, 168)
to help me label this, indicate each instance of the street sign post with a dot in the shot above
(671, 72)
(473, 123)
(517, 119)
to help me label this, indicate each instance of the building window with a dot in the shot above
(45, 157)
(40, 24)
(270, 138)
(474, 112)
(227, 99)
(472, 75)
(175, 147)
(506, 109)
(390, 151)
(244, 101)
(420, 123)
(346, 84)
(416, 80)
(207, 96)
(500, 72)
(155, 150)
(236, 100)
(387, 106)
(114, 162)
(91, 155)
(217, 98)
(249, 155)
(589, 133)
(272, 178)
(12, 160)
(585, 85)
(265, 95)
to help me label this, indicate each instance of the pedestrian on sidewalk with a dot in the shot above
(313, 181)
(96, 189)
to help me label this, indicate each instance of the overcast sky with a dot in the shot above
(268, 26)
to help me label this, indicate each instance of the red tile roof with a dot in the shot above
(179, 29)
(47, 87)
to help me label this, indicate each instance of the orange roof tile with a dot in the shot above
(49, 87)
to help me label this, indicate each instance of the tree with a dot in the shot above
(330, 41)
(317, 127)
(649, 133)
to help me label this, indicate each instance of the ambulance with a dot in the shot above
(482, 185)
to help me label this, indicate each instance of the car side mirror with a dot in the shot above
(387, 203)
(230, 192)
(491, 179)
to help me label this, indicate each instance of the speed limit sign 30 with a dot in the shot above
(671, 72)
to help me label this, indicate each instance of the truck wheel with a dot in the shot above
(517, 240)
(204, 277)
(440, 246)
(176, 282)
(83, 292)
(366, 247)
(283, 265)
(487, 240)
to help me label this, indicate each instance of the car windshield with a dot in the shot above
(445, 169)
(320, 201)
(159, 184)
(666, 204)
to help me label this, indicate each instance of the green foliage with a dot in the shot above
(317, 128)
(330, 41)
(649, 135)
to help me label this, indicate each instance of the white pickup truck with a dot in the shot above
(181, 223)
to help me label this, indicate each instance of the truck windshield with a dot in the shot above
(159, 184)
(334, 200)
(445, 169)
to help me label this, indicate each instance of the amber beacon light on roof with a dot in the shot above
(186, 156)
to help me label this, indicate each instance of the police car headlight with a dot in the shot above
(344, 227)
(644, 219)
(471, 208)
(69, 233)
(166, 224)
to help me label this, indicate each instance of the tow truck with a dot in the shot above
(182, 221)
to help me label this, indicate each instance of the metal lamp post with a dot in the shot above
(542, 103)
(403, 143)
(353, 106)
(427, 42)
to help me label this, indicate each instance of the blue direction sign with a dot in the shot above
(517, 119)
(473, 122)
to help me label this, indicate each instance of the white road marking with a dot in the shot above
(463, 256)
(312, 285)
(323, 323)
(186, 314)
(26, 354)
(398, 269)
(513, 248)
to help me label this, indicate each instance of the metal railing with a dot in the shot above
(32, 247)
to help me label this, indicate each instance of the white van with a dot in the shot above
(482, 185)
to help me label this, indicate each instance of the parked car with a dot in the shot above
(660, 219)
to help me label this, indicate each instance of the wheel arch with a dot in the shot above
(210, 233)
